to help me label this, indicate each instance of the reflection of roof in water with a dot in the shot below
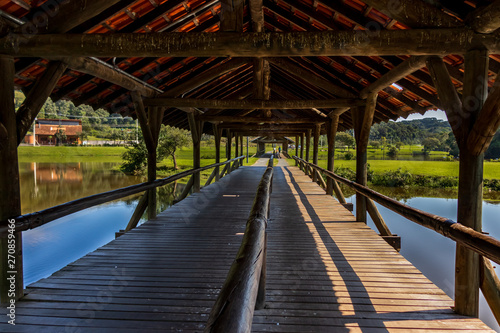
(49, 174)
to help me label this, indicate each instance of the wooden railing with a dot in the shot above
(482, 244)
(245, 285)
(34, 220)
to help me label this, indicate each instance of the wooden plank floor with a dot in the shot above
(326, 273)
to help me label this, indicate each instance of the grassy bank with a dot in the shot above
(425, 168)
(65, 154)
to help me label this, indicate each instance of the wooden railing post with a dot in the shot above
(11, 267)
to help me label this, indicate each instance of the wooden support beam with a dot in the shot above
(317, 130)
(10, 193)
(107, 72)
(273, 120)
(331, 131)
(138, 212)
(206, 76)
(448, 96)
(36, 97)
(402, 70)
(415, 13)
(252, 103)
(308, 143)
(470, 187)
(490, 286)
(140, 111)
(485, 20)
(241, 150)
(264, 44)
(237, 147)
(229, 136)
(154, 127)
(196, 128)
(231, 16)
(257, 15)
(362, 119)
(487, 122)
(317, 81)
(217, 134)
(261, 78)
(296, 149)
(302, 145)
(62, 16)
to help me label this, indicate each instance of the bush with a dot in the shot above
(392, 151)
(492, 184)
(396, 178)
(135, 158)
(348, 156)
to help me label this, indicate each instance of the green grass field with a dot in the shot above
(184, 160)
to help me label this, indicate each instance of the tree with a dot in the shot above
(135, 158)
(60, 136)
(171, 139)
(374, 143)
(343, 139)
(430, 144)
(493, 151)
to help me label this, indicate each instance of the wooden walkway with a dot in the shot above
(326, 272)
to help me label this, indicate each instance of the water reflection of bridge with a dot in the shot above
(325, 271)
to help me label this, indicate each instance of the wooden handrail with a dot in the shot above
(34, 220)
(234, 308)
(484, 245)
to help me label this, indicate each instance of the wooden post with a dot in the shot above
(241, 149)
(470, 188)
(237, 145)
(196, 128)
(317, 129)
(296, 149)
(331, 131)
(150, 130)
(153, 121)
(217, 134)
(10, 196)
(228, 144)
(308, 144)
(362, 119)
(302, 145)
(229, 147)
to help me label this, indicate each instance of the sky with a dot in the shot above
(439, 114)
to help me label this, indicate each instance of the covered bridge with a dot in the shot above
(296, 68)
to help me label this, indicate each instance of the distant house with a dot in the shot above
(46, 129)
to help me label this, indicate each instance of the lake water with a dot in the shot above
(54, 245)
